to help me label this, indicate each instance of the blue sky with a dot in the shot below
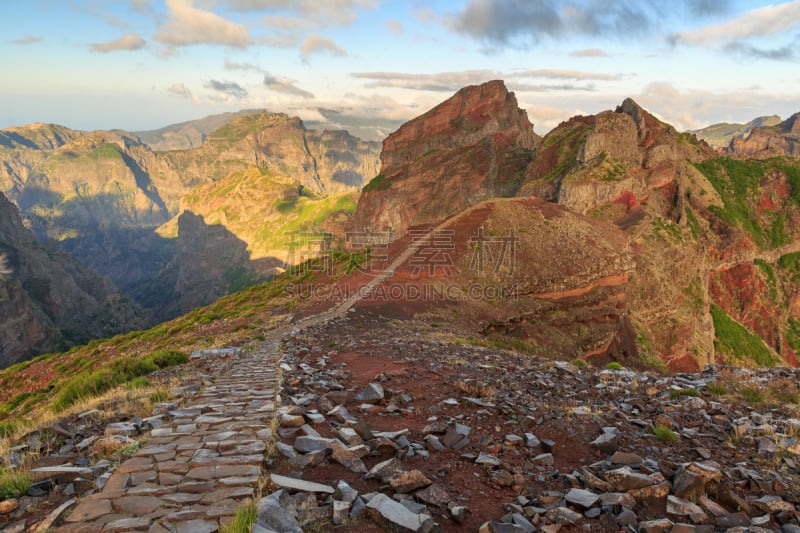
(143, 64)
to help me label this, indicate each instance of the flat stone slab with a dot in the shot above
(89, 510)
(300, 485)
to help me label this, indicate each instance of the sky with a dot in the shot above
(144, 64)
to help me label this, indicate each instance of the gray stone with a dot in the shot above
(624, 479)
(341, 511)
(395, 515)
(373, 392)
(273, 515)
(300, 485)
(384, 470)
(582, 498)
(345, 492)
(487, 459)
(347, 458)
(307, 444)
(404, 482)
(656, 526)
(606, 443)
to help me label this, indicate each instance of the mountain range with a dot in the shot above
(644, 245)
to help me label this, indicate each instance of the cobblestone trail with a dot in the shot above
(196, 469)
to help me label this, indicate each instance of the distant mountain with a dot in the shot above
(720, 135)
(779, 140)
(110, 200)
(49, 301)
(187, 135)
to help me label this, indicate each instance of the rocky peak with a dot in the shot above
(791, 124)
(782, 140)
(474, 145)
(470, 115)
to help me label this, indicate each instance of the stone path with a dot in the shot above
(197, 469)
(203, 462)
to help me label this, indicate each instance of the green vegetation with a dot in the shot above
(13, 483)
(105, 151)
(752, 395)
(737, 343)
(613, 365)
(692, 222)
(676, 394)
(570, 138)
(791, 264)
(793, 334)
(120, 371)
(770, 279)
(378, 183)
(664, 434)
(716, 388)
(738, 182)
(580, 363)
(243, 521)
(694, 291)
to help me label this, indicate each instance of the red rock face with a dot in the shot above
(744, 296)
(475, 145)
(775, 141)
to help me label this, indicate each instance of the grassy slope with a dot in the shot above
(261, 208)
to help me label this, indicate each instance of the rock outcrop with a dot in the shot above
(782, 140)
(49, 301)
(719, 136)
(473, 146)
(589, 162)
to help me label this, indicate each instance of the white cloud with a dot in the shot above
(129, 42)
(180, 90)
(228, 88)
(27, 39)
(588, 52)
(452, 81)
(320, 44)
(283, 85)
(395, 26)
(189, 25)
(323, 13)
(761, 22)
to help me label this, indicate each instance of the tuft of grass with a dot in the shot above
(716, 388)
(752, 394)
(13, 483)
(138, 383)
(243, 521)
(580, 363)
(119, 371)
(664, 434)
(613, 365)
(675, 394)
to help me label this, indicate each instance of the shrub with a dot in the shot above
(613, 365)
(664, 434)
(243, 521)
(167, 358)
(675, 394)
(13, 483)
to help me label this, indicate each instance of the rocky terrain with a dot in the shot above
(780, 140)
(48, 300)
(719, 136)
(395, 425)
